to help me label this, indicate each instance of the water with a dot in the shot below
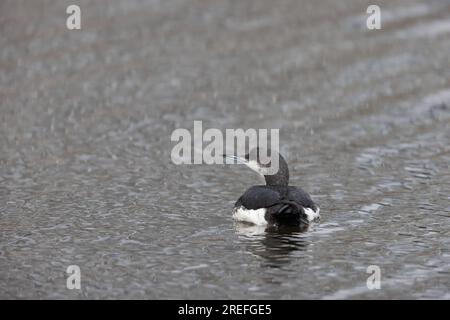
(85, 170)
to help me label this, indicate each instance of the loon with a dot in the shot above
(276, 203)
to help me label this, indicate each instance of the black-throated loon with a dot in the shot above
(276, 203)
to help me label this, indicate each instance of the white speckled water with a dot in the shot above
(85, 124)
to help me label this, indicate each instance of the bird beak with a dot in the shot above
(234, 159)
(253, 165)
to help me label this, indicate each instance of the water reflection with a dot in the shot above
(276, 245)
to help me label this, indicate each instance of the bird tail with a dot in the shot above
(289, 212)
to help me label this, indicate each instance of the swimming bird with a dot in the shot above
(275, 203)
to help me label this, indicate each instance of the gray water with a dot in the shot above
(86, 176)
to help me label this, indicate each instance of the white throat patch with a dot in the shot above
(254, 166)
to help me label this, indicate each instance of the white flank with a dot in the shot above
(257, 217)
(251, 216)
(312, 215)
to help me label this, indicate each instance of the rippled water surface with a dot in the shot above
(86, 119)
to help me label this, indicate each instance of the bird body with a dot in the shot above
(275, 205)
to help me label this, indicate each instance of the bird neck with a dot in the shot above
(281, 178)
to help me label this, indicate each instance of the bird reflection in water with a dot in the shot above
(275, 244)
